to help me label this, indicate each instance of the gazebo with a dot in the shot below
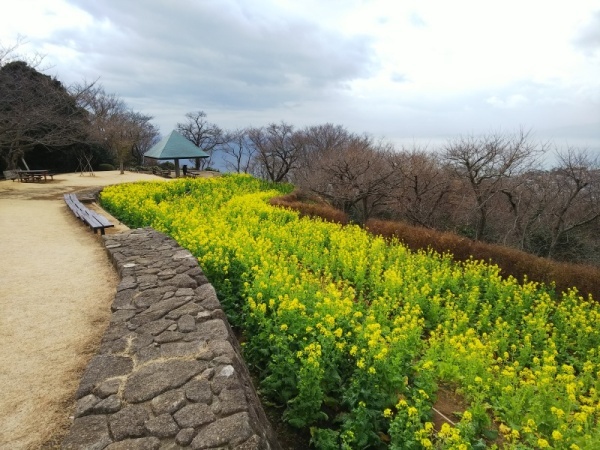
(175, 146)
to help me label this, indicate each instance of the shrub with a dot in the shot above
(519, 264)
(168, 165)
(310, 206)
(105, 167)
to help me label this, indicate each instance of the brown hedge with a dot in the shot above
(513, 262)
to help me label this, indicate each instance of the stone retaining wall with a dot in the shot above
(169, 373)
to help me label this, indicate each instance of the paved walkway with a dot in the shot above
(56, 287)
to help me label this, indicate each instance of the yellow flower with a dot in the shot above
(504, 429)
(426, 443)
(557, 435)
(387, 412)
(427, 365)
(542, 443)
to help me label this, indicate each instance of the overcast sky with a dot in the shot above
(422, 70)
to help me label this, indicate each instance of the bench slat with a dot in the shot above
(91, 218)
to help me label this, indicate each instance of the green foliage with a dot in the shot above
(351, 333)
(167, 165)
(105, 167)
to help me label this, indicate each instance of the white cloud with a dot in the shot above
(510, 102)
(408, 69)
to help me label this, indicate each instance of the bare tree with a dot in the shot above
(147, 137)
(520, 209)
(112, 125)
(357, 177)
(35, 111)
(277, 149)
(319, 140)
(576, 194)
(239, 153)
(207, 136)
(10, 53)
(422, 187)
(484, 164)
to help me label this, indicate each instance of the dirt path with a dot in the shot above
(56, 286)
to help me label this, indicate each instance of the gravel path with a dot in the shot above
(55, 293)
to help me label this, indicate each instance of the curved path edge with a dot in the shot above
(169, 372)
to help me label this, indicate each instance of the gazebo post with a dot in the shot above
(176, 167)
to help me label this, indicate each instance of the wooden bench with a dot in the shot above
(193, 173)
(161, 172)
(94, 220)
(35, 176)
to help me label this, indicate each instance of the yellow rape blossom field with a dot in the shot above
(352, 335)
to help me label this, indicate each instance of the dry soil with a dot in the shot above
(56, 287)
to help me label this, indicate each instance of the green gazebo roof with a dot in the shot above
(175, 146)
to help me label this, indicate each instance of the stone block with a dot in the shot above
(194, 415)
(109, 405)
(107, 388)
(100, 368)
(129, 422)
(184, 292)
(213, 330)
(85, 405)
(88, 433)
(185, 436)
(155, 327)
(207, 297)
(232, 401)
(162, 426)
(147, 298)
(253, 443)
(230, 430)
(181, 280)
(198, 390)
(193, 349)
(160, 309)
(190, 308)
(155, 378)
(146, 443)
(186, 323)
(169, 336)
(169, 402)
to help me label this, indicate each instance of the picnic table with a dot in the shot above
(39, 175)
(193, 173)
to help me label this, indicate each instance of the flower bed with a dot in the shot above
(352, 334)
